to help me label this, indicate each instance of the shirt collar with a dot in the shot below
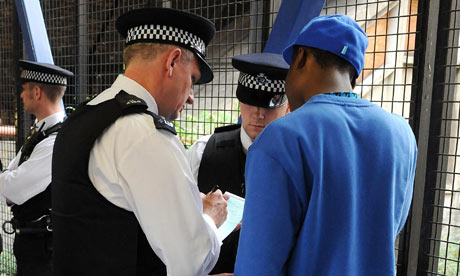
(245, 140)
(50, 121)
(129, 86)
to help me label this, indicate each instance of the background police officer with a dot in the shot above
(25, 184)
(220, 158)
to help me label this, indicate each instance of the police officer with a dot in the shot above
(25, 184)
(125, 199)
(220, 158)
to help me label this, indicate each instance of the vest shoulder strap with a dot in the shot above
(126, 101)
(132, 104)
(53, 129)
(36, 138)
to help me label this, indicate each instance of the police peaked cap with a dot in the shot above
(170, 26)
(43, 73)
(262, 78)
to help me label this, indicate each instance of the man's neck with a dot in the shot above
(331, 80)
(48, 111)
(137, 72)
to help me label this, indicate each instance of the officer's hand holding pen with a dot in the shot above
(215, 205)
(215, 188)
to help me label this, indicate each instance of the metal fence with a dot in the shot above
(435, 234)
(411, 69)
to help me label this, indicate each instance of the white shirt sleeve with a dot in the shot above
(144, 170)
(19, 184)
(195, 153)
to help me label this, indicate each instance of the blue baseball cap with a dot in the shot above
(338, 34)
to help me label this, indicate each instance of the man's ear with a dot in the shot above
(37, 92)
(302, 58)
(172, 60)
(353, 83)
(295, 59)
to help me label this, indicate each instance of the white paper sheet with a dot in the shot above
(235, 207)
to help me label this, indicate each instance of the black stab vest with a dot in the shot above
(92, 236)
(223, 162)
(40, 204)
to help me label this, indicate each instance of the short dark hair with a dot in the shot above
(326, 59)
(53, 92)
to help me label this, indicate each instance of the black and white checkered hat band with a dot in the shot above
(166, 33)
(43, 77)
(261, 82)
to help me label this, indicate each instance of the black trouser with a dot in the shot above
(227, 257)
(33, 254)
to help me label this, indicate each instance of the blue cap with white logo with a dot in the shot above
(338, 34)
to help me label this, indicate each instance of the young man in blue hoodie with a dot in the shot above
(329, 185)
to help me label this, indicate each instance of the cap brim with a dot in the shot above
(259, 98)
(287, 54)
(44, 68)
(205, 70)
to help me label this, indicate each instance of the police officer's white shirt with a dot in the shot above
(195, 152)
(20, 183)
(144, 170)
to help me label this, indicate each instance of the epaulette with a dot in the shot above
(163, 123)
(226, 128)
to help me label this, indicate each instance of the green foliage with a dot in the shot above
(190, 129)
(448, 263)
(7, 264)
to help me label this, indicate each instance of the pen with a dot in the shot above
(214, 188)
